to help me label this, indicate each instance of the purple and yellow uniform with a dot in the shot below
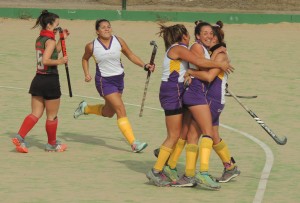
(216, 93)
(171, 87)
(195, 92)
(109, 69)
(46, 81)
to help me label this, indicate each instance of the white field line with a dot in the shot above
(269, 154)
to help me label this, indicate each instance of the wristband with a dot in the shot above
(145, 67)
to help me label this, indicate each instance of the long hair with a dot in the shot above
(172, 34)
(44, 19)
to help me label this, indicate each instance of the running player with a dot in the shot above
(45, 87)
(106, 49)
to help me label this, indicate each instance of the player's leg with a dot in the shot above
(202, 116)
(37, 106)
(220, 146)
(173, 124)
(52, 107)
(114, 103)
(230, 169)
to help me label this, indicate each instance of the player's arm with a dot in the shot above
(130, 55)
(210, 74)
(50, 45)
(88, 52)
(183, 53)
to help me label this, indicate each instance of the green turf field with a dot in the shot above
(100, 167)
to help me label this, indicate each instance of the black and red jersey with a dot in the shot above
(40, 48)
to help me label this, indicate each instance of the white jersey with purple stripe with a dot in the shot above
(174, 70)
(108, 59)
(206, 55)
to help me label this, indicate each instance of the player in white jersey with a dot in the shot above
(216, 97)
(176, 38)
(106, 50)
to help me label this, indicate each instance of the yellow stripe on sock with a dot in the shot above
(223, 152)
(164, 154)
(125, 127)
(191, 159)
(176, 153)
(94, 109)
(204, 153)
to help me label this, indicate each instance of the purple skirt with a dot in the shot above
(109, 85)
(170, 95)
(195, 93)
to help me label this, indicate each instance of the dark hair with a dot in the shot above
(218, 32)
(198, 21)
(172, 34)
(44, 19)
(99, 21)
(199, 24)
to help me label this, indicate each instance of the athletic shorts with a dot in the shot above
(170, 97)
(46, 86)
(109, 85)
(195, 93)
(216, 109)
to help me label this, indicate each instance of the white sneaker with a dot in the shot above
(80, 109)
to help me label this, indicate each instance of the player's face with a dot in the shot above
(104, 30)
(54, 24)
(205, 36)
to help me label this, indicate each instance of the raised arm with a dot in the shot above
(134, 58)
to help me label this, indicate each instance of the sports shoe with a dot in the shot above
(21, 145)
(138, 146)
(184, 181)
(206, 180)
(158, 179)
(171, 173)
(229, 174)
(58, 147)
(80, 109)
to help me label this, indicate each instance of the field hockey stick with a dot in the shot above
(244, 97)
(148, 76)
(280, 141)
(239, 96)
(64, 51)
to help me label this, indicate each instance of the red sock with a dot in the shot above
(27, 125)
(51, 127)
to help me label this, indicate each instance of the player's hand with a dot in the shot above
(150, 67)
(66, 33)
(187, 79)
(63, 60)
(88, 78)
(227, 67)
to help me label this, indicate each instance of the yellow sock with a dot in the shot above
(191, 159)
(176, 153)
(94, 109)
(204, 152)
(126, 129)
(164, 154)
(223, 152)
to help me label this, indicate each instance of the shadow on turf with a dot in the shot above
(93, 140)
(141, 166)
(34, 140)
